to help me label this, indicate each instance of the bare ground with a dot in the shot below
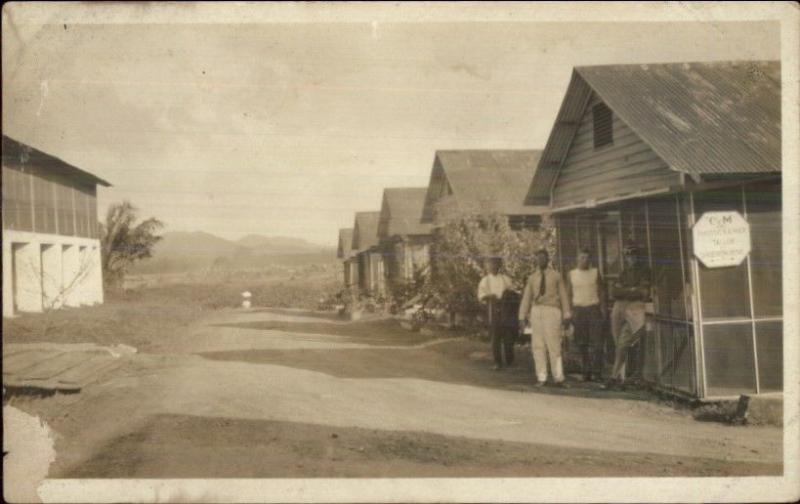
(281, 393)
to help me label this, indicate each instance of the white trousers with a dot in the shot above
(546, 341)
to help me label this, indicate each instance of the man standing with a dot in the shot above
(545, 305)
(491, 291)
(631, 291)
(585, 288)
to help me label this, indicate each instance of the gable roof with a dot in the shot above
(345, 243)
(365, 231)
(702, 119)
(16, 152)
(401, 212)
(482, 181)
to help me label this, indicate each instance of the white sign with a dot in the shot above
(721, 239)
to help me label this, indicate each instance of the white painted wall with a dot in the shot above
(27, 277)
(40, 277)
(51, 276)
(97, 276)
(69, 280)
(84, 267)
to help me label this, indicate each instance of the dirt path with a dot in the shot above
(267, 394)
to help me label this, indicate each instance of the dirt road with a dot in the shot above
(272, 393)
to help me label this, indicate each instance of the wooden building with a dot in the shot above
(683, 160)
(404, 239)
(51, 248)
(345, 253)
(479, 182)
(368, 257)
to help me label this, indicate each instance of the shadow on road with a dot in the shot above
(372, 332)
(185, 446)
(462, 362)
(296, 312)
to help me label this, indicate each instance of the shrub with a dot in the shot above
(459, 249)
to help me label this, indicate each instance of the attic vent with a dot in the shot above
(603, 127)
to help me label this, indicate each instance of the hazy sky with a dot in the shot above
(288, 129)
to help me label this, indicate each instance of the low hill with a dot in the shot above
(277, 244)
(181, 251)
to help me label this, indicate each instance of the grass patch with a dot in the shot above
(149, 316)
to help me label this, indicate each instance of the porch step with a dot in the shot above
(762, 409)
(45, 368)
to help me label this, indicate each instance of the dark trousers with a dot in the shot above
(501, 334)
(588, 323)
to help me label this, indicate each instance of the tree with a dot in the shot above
(460, 247)
(124, 242)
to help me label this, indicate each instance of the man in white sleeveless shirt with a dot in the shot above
(585, 287)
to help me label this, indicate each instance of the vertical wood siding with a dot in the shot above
(627, 166)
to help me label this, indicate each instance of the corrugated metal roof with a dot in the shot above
(701, 118)
(14, 150)
(365, 231)
(401, 212)
(483, 181)
(345, 243)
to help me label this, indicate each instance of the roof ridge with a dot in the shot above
(490, 150)
(37, 151)
(677, 63)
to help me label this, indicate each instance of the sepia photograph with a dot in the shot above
(400, 252)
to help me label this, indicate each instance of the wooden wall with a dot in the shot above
(38, 199)
(627, 166)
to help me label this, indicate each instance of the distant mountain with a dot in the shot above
(193, 244)
(186, 251)
(277, 244)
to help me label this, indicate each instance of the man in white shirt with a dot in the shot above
(546, 306)
(491, 291)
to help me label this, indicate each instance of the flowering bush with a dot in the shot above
(458, 252)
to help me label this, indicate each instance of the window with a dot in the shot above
(603, 125)
(17, 205)
(764, 215)
(609, 236)
(769, 348)
(730, 369)
(43, 205)
(669, 284)
(568, 242)
(66, 212)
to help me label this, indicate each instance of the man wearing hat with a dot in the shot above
(631, 291)
(546, 306)
(494, 290)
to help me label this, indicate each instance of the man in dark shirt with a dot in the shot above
(631, 291)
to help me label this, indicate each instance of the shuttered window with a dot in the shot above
(80, 212)
(603, 125)
(44, 204)
(17, 204)
(66, 212)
